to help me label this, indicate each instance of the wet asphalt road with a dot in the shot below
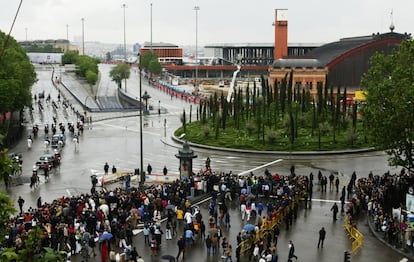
(116, 141)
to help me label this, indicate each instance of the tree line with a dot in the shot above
(282, 112)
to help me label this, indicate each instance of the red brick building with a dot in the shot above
(344, 61)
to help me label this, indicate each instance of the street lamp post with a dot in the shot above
(83, 36)
(196, 8)
(125, 56)
(67, 37)
(151, 27)
(142, 174)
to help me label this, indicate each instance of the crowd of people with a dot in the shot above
(383, 198)
(103, 222)
(99, 222)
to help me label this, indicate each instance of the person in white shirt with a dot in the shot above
(188, 217)
(243, 211)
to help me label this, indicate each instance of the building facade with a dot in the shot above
(343, 62)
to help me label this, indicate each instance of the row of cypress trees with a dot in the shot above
(281, 112)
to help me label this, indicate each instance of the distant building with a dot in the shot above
(45, 58)
(168, 54)
(253, 53)
(135, 48)
(344, 61)
(63, 44)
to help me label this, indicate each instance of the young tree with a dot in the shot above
(70, 57)
(389, 107)
(91, 77)
(119, 73)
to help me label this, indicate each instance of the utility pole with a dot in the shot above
(151, 27)
(196, 8)
(67, 37)
(125, 56)
(83, 36)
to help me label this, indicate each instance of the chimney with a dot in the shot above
(281, 34)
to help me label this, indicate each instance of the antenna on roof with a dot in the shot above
(392, 27)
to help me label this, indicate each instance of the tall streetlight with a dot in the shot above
(151, 28)
(142, 175)
(83, 36)
(67, 37)
(196, 8)
(125, 56)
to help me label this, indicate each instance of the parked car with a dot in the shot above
(43, 160)
(56, 138)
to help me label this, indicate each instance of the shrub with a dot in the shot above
(206, 131)
(324, 128)
(271, 136)
(352, 138)
(250, 127)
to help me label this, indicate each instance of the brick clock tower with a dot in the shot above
(281, 34)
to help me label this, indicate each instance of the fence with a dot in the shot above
(354, 234)
(266, 228)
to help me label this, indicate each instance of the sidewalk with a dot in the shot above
(407, 252)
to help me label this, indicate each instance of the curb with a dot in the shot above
(383, 241)
(283, 153)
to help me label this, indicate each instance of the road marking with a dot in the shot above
(131, 129)
(68, 191)
(327, 200)
(259, 167)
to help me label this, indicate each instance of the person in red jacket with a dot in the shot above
(104, 251)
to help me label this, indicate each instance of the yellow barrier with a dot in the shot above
(247, 244)
(354, 235)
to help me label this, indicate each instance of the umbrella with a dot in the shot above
(170, 206)
(168, 257)
(104, 208)
(105, 236)
(249, 227)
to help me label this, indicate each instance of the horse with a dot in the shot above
(46, 145)
(29, 143)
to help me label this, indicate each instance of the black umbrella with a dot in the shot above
(168, 257)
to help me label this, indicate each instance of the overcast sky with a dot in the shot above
(219, 21)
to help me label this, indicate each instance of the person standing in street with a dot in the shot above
(334, 210)
(291, 251)
(337, 184)
(106, 168)
(228, 253)
(208, 244)
(149, 169)
(181, 248)
(322, 234)
(20, 201)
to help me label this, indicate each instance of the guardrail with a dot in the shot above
(269, 225)
(120, 175)
(354, 234)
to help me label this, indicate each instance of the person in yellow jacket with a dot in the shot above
(180, 215)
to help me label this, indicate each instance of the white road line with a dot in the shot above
(259, 167)
(131, 129)
(327, 200)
